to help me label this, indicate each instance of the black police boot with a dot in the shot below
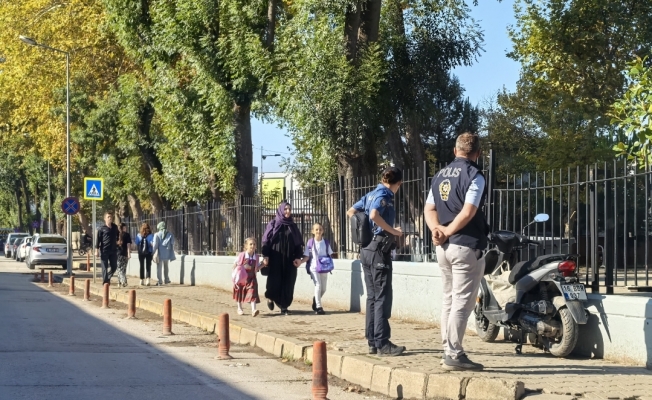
(373, 350)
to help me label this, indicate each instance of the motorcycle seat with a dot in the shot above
(525, 267)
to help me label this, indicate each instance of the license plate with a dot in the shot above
(51, 250)
(574, 292)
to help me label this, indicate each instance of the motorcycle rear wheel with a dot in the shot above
(487, 332)
(82, 252)
(570, 330)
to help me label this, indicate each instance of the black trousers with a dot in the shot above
(109, 266)
(145, 263)
(377, 268)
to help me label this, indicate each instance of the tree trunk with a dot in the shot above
(351, 31)
(136, 209)
(413, 140)
(19, 204)
(25, 199)
(84, 221)
(150, 158)
(396, 147)
(271, 24)
(243, 150)
(37, 209)
(369, 22)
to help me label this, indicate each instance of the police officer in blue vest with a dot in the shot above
(459, 230)
(376, 259)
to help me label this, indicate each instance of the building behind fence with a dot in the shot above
(601, 212)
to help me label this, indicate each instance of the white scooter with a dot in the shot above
(546, 300)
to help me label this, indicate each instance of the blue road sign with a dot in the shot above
(93, 189)
(70, 206)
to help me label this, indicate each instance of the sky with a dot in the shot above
(492, 71)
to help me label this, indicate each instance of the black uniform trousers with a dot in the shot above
(377, 268)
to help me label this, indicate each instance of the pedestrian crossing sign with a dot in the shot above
(93, 189)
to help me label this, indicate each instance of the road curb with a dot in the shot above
(370, 373)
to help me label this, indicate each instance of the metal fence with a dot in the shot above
(601, 212)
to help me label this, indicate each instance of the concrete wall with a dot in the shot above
(620, 326)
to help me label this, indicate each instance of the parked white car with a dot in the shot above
(47, 250)
(23, 249)
(9, 242)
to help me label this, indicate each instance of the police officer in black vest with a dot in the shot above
(376, 261)
(459, 230)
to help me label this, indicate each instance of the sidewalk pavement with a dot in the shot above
(417, 374)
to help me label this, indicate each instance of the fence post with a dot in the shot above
(427, 240)
(342, 213)
(209, 240)
(492, 185)
(595, 283)
(242, 224)
(609, 235)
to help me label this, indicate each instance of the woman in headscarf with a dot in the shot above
(163, 248)
(282, 252)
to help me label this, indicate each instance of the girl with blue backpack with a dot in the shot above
(319, 262)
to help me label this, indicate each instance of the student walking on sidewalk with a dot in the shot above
(145, 243)
(163, 253)
(282, 252)
(376, 259)
(459, 230)
(318, 256)
(124, 254)
(245, 283)
(107, 247)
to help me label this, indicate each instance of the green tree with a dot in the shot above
(633, 114)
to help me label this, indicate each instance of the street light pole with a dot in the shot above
(32, 42)
(264, 156)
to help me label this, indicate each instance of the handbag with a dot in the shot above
(323, 264)
(155, 257)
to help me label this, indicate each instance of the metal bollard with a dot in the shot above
(224, 341)
(50, 278)
(131, 308)
(105, 296)
(71, 292)
(319, 371)
(42, 275)
(167, 317)
(87, 290)
(88, 262)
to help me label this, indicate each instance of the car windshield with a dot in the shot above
(48, 240)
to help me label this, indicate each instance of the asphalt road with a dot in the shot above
(53, 346)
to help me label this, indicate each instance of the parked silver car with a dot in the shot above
(48, 250)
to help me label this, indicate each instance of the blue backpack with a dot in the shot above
(324, 264)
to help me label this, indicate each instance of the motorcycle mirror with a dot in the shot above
(541, 218)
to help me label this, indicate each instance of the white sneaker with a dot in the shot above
(147, 282)
(142, 281)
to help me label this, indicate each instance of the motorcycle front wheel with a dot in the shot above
(566, 344)
(485, 329)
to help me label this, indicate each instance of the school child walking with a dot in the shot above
(245, 284)
(319, 262)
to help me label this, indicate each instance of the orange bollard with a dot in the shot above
(88, 262)
(50, 279)
(167, 317)
(42, 275)
(319, 371)
(224, 341)
(131, 308)
(71, 292)
(87, 290)
(105, 296)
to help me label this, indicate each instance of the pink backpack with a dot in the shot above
(239, 274)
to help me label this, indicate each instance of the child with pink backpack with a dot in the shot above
(245, 284)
